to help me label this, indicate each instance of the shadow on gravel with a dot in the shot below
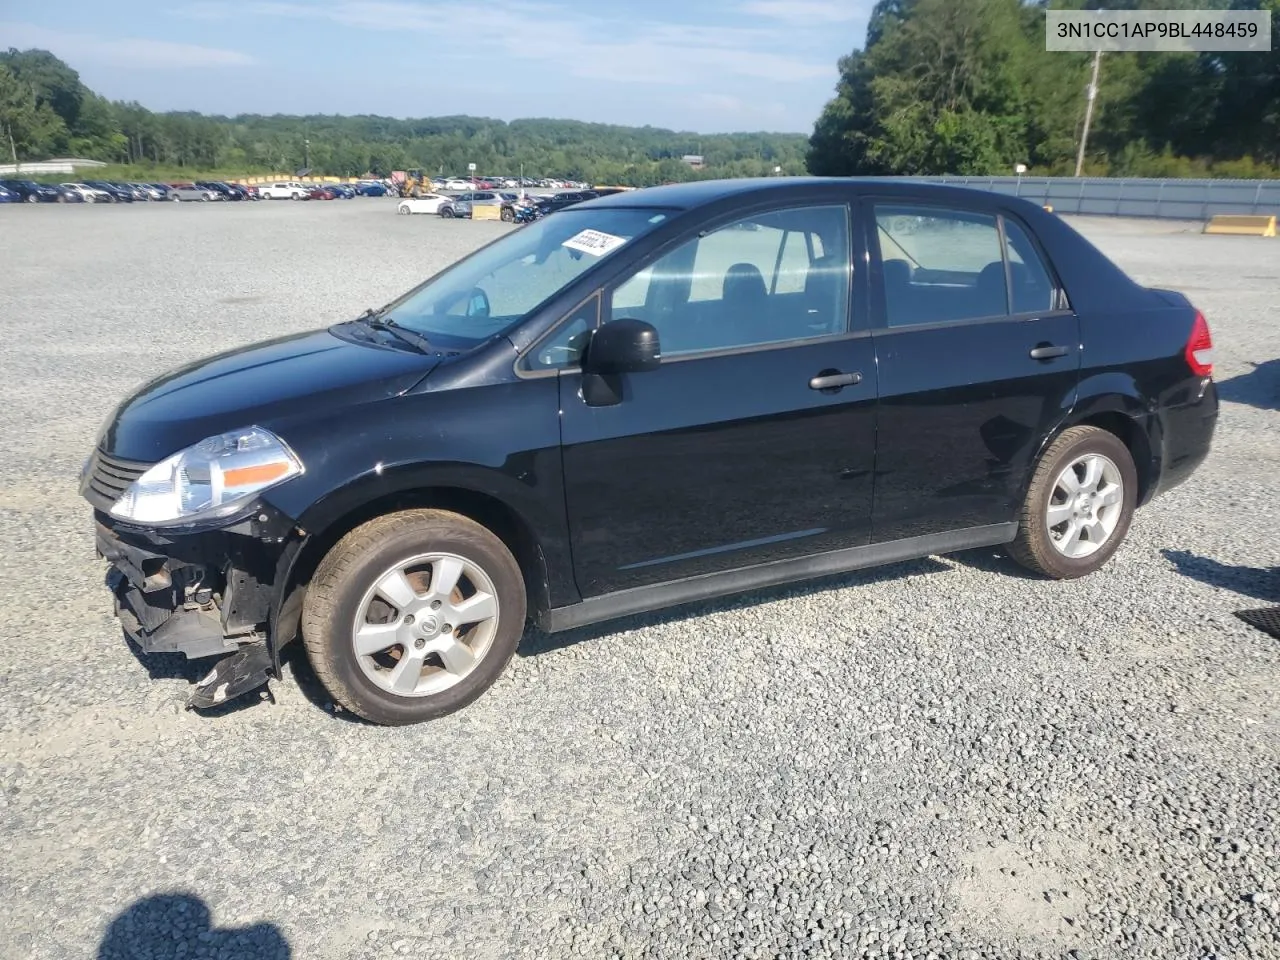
(1261, 583)
(535, 642)
(175, 666)
(993, 560)
(178, 925)
(169, 666)
(1259, 388)
(297, 669)
(300, 672)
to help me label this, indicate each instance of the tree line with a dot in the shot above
(967, 87)
(939, 86)
(46, 111)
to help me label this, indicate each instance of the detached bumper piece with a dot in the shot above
(246, 669)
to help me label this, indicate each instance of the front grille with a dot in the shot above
(109, 477)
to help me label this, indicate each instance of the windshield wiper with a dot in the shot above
(373, 319)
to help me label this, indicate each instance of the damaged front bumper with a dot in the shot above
(203, 593)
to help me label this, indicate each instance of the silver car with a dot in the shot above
(189, 191)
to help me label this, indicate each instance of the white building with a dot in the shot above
(37, 168)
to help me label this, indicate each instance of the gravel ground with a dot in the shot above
(942, 758)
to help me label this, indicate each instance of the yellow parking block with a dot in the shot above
(1242, 226)
(486, 211)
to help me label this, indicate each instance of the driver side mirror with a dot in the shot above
(623, 346)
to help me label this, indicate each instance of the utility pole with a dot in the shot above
(1091, 95)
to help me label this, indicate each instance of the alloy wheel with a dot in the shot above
(425, 624)
(1085, 506)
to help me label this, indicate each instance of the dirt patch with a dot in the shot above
(1014, 894)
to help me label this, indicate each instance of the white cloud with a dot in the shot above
(720, 102)
(807, 12)
(127, 52)
(589, 47)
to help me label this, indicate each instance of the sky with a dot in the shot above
(705, 65)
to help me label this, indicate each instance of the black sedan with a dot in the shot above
(28, 191)
(559, 201)
(646, 400)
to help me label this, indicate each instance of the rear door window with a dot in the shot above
(940, 265)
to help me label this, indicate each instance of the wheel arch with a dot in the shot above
(1122, 413)
(491, 512)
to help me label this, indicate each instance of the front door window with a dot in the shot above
(776, 277)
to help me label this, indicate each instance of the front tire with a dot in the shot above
(413, 616)
(1079, 505)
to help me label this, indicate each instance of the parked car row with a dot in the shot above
(503, 182)
(460, 205)
(300, 190)
(203, 191)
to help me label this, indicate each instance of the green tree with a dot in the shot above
(28, 126)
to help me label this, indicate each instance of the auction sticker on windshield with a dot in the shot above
(594, 242)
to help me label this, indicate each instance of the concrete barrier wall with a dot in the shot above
(1162, 199)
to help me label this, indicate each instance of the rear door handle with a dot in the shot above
(1047, 351)
(834, 380)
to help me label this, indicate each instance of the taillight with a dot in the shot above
(1199, 351)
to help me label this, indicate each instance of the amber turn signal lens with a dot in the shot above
(259, 474)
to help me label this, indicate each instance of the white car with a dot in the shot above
(284, 190)
(427, 203)
(456, 184)
(90, 194)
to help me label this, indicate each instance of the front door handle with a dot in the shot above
(834, 380)
(1047, 351)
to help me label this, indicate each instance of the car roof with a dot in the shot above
(698, 193)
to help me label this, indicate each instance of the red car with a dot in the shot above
(323, 193)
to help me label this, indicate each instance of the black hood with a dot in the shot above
(268, 384)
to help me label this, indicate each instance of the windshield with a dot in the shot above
(503, 283)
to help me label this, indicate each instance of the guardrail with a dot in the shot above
(1162, 199)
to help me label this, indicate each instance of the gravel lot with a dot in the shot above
(941, 758)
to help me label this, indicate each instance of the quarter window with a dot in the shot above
(775, 277)
(940, 265)
(1032, 286)
(563, 348)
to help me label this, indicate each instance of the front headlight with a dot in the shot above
(212, 479)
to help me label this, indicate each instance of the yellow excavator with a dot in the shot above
(415, 184)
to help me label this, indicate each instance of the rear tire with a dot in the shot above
(508, 216)
(359, 594)
(1079, 505)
